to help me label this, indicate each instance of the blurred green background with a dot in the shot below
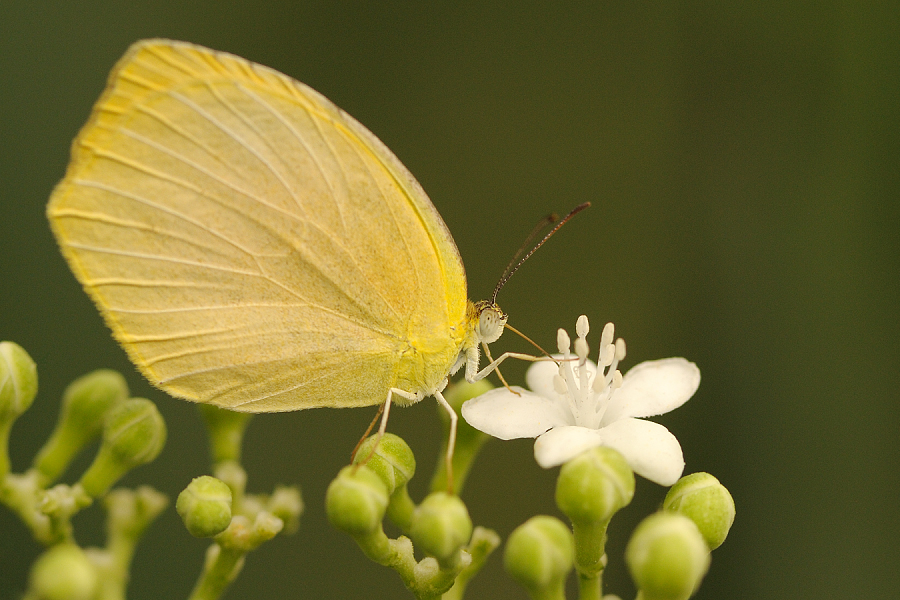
(742, 159)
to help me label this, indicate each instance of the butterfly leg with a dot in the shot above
(451, 440)
(487, 353)
(386, 409)
(473, 374)
(375, 419)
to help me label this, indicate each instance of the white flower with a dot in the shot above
(572, 407)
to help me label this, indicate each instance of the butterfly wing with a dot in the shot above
(249, 244)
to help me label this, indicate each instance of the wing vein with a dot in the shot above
(110, 220)
(166, 177)
(387, 204)
(184, 309)
(149, 283)
(344, 366)
(184, 134)
(170, 259)
(290, 127)
(164, 57)
(337, 203)
(268, 165)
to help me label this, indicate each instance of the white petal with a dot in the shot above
(539, 378)
(654, 387)
(564, 443)
(648, 447)
(505, 415)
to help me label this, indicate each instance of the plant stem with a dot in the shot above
(5, 428)
(590, 587)
(590, 558)
(222, 566)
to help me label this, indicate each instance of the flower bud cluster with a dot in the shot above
(218, 508)
(375, 486)
(132, 433)
(86, 403)
(667, 556)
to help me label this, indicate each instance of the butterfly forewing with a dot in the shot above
(249, 244)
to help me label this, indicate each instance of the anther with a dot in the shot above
(582, 326)
(606, 337)
(562, 341)
(617, 379)
(607, 354)
(581, 349)
(599, 383)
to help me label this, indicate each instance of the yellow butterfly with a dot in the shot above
(254, 247)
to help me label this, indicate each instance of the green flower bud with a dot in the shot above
(393, 460)
(134, 434)
(286, 504)
(130, 512)
(356, 501)
(441, 526)
(265, 527)
(706, 502)
(18, 381)
(63, 573)
(18, 387)
(243, 535)
(233, 474)
(594, 485)
(226, 431)
(62, 501)
(667, 557)
(86, 402)
(539, 555)
(89, 398)
(205, 506)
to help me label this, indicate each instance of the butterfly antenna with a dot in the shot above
(542, 224)
(508, 272)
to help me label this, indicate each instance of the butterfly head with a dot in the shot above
(491, 321)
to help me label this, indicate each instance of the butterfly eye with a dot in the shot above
(490, 324)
